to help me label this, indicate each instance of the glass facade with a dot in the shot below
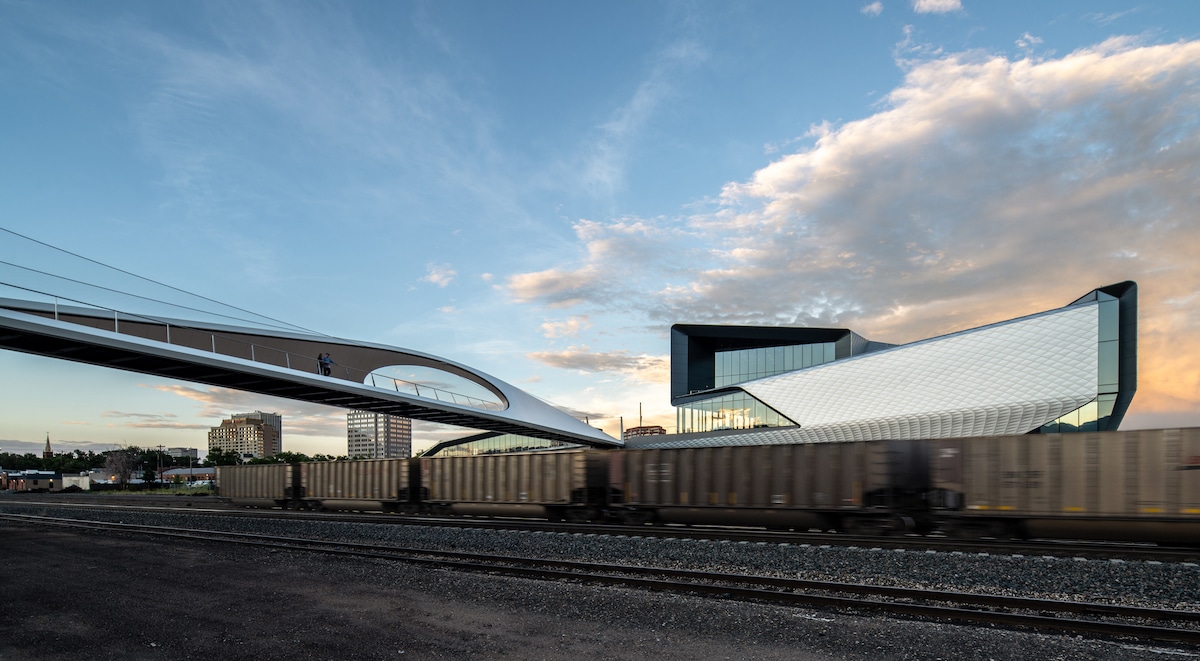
(734, 367)
(377, 435)
(1094, 416)
(741, 410)
(499, 444)
(733, 411)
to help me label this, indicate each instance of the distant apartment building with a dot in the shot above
(254, 434)
(648, 430)
(377, 436)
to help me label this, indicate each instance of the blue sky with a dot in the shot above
(540, 189)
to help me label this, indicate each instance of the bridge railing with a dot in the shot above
(151, 328)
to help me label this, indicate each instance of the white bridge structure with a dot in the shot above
(284, 364)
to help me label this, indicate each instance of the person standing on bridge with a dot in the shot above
(326, 364)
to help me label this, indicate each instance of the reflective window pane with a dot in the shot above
(1108, 367)
(1109, 320)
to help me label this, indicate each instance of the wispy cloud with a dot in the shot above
(606, 158)
(571, 327)
(254, 88)
(150, 421)
(1106, 19)
(873, 9)
(936, 6)
(655, 369)
(440, 275)
(1027, 41)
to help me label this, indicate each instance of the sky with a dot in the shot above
(540, 189)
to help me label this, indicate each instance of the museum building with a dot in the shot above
(1065, 370)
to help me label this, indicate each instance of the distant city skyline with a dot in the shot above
(540, 190)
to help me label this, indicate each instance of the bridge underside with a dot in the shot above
(524, 416)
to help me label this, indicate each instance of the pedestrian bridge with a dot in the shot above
(284, 364)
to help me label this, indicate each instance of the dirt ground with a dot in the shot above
(105, 596)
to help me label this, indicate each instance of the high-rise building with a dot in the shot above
(254, 434)
(377, 435)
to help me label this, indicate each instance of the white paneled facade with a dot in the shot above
(1002, 379)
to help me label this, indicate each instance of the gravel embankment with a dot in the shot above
(1140, 583)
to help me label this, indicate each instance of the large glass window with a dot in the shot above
(501, 444)
(733, 411)
(733, 367)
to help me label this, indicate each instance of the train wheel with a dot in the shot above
(578, 515)
(635, 517)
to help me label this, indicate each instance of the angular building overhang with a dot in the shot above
(283, 365)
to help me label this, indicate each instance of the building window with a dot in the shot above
(738, 410)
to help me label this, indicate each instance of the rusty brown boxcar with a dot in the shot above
(383, 485)
(845, 486)
(1124, 485)
(259, 485)
(566, 484)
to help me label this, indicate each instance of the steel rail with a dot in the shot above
(741, 586)
(1055, 548)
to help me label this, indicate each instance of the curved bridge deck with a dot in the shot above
(282, 365)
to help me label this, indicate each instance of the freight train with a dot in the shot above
(1131, 485)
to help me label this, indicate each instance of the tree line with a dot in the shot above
(231, 458)
(139, 459)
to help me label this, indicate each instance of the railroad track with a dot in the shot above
(968, 608)
(1056, 548)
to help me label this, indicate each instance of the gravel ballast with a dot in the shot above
(1137, 583)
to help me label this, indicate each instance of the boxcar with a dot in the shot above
(366, 484)
(878, 485)
(552, 484)
(1125, 485)
(259, 485)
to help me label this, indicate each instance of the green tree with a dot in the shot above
(222, 458)
(281, 458)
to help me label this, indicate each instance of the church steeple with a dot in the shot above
(47, 453)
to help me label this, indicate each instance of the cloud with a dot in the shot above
(299, 419)
(637, 245)
(1105, 19)
(569, 328)
(654, 369)
(151, 421)
(873, 9)
(602, 171)
(440, 275)
(1028, 41)
(982, 188)
(225, 98)
(936, 6)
